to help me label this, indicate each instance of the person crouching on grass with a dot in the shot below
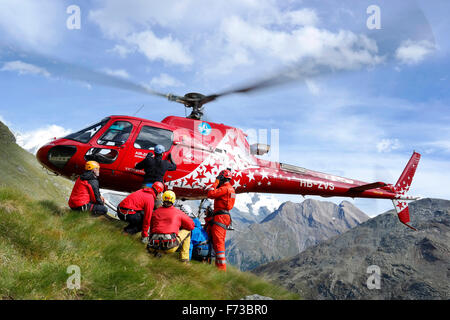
(165, 234)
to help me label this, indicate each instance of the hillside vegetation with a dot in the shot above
(20, 169)
(39, 240)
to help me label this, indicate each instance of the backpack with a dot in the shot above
(200, 249)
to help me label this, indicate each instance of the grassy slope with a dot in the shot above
(39, 240)
(20, 169)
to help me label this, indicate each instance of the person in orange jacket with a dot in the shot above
(85, 194)
(137, 209)
(217, 223)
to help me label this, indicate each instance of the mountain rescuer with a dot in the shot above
(165, 234)
(155, 167)
(85, 194)
(200, 248)
(218, 221)
(137, 209)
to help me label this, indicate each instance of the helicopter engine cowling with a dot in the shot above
(259, 149)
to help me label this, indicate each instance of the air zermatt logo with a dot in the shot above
(204, 128)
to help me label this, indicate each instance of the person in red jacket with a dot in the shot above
(165, 234)
(85, 194)
(137, 209)
(217, 223)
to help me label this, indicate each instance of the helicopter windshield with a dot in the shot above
(86, 134)
(117, 134)
(149, 137)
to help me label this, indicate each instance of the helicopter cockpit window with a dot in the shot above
(101, 155)
(149, 137)
(117, 134)
(86, 134)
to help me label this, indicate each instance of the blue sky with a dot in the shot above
(381, 94)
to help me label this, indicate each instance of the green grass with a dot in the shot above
(39, 240)
(21, 170)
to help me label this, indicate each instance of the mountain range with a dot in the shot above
(289, 230)
(409, 264)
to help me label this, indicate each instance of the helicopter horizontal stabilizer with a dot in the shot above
(368, 186)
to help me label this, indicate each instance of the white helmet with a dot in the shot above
(184, 207)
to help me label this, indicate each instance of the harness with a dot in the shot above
(125, 212)
(163, 241)
(218, 213)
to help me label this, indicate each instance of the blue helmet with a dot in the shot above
(159, 149)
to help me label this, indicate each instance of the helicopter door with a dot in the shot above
(146, 140)
(110, 148)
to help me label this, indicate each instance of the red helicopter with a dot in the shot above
(201, 149)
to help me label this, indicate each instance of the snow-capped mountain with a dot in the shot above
(254, 207)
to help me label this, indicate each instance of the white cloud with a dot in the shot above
(413, 52)
(443, 145)
(6, 123)
(166, 49)
(312, 87)
(121, 50)
(33, 140)
(388, 145)
(341, 50)
(36, 23)
(120, 73)
(130, 24)
(302, 17)
(164, 80)
(24, 68)
(232, 34)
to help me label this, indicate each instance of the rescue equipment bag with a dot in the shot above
(201, 251)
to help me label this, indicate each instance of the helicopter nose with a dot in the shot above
(54, 157)
(42, 155)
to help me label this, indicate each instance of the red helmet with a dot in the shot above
(226, 174)
(158, 187)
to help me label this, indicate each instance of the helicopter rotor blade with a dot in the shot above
(294, 73)
(60, 69)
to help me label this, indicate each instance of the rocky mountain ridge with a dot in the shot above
(412, 265)
(289, 230)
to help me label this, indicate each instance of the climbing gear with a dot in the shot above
(213, 214)
(162, 241)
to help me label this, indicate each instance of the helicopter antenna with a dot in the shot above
(139, 109)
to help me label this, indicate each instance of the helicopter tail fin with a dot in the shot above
(402, 212)
(405, 180)
(402, 187)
